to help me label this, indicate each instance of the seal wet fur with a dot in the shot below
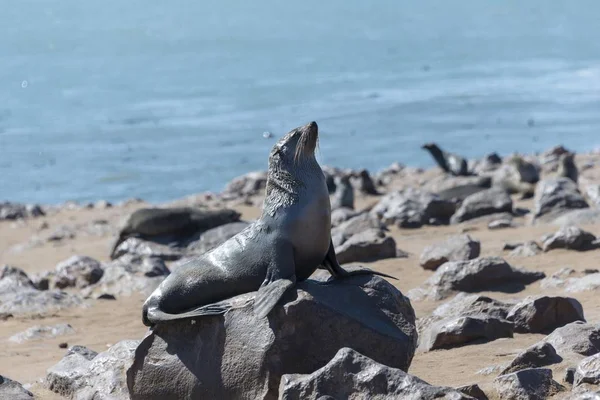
(286, 244)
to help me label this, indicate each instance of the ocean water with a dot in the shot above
(114, 99)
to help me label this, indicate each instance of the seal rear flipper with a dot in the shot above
(155, 315)
(269, 295)
(335, 269)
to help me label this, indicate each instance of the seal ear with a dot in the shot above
(270, 294)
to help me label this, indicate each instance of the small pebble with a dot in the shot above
(63, 345)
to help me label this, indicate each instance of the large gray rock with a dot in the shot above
(581, 216)
(527, 249)
(13, 390)
(240, 356)
(480, 274)
(527, 384)
(570, 237)
(42, 332)
(77, 271)
(350, 375)
(370, 245)
(455, 248)
(215, 237)
(246, 185)
(354, 226)
(459, 331)
(588, 371)
(137, 247)
(341, 215)
(539, 355)
(344, 193)
(577, 337)
(128, 275)
(544, 313)
(487, 202)
(413, 208)
(83, 376)
(554, 197)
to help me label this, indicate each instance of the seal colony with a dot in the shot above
(290, 240)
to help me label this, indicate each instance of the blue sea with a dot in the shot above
(115, 99)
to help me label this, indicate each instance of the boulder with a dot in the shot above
(350, 375)
(554, 197)
(487, 202)
(215, 237)
(474, 391)
(569, 237)
(480, 274)
(459, 331)
(80, 375)
(544, 313)
(527, 249)
(340, 215)
(129, 274)
(353, 226)
(42, 332)
(455, 248)
(12, 211)
(581, 216)
(77, 271)
(249, 184)
(577, 337)
(136, 247)
(588, 371)
(413, 208)
(13, 390)
(370, 245)
(240, 356)
(527, 384)
(539, 355)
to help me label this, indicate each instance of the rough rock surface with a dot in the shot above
(554, 197)
(246, 185)
(544, 313)
(455, 248)
(577, 337)
(569, 237)
(458, 331)
(350, 375)
(474, 391)
(12, 390)
(42, 332)
(353, 226)
(370, 245)
(487, 273)
(527, 384)
(490, 201)
(240, 356)
(76, 271)
(588, 371)
(413, 208)
(81, 375)
(143, 248)
(578, 217)
(539, 355)
(215, 237)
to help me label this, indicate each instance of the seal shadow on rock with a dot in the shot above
(290, 240)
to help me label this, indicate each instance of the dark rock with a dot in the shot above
(455, 248)
(42, 332)
(344, 193)
(577, 337)
(215, 237)
(489, 273)
(240, 356)
(83, 352)
(543, 314)
(249, 184)
(63, 345)
(106, 296)
(527, 384)
(350, 375)
(370, 245)
(588, 371)
(490, 201)
(459, 331)
(569, 375)
(554, 197)
(13, 211)
(539, 355)
(128, 275)
(413, 208)
(569, 237)
(102, 377)
(12, 390)
(527, 249)
(474, 391)
(77, 271)
(512, 245)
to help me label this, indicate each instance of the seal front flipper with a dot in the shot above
(336, 270)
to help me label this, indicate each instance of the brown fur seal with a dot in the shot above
(450, 163)
(147, 223)
(567, 167)
(290, 240)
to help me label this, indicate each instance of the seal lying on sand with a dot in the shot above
(290, 240)
(450, 163)
(147, 223)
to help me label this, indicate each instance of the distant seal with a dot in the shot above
(147, 223)
(286, 244)
(567, 167)
(344, 193)
(450, 163)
